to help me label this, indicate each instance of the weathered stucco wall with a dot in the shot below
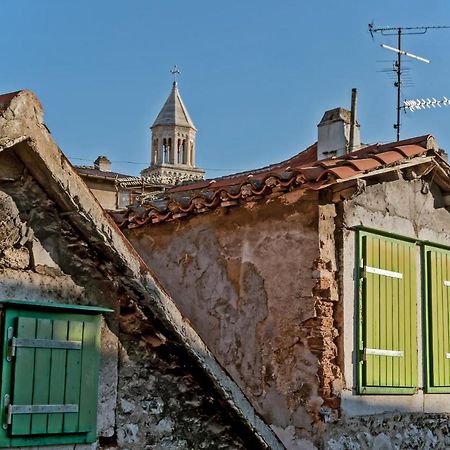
(258, 289)
(150, 393)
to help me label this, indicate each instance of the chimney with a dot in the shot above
(103, 163)
(334, 134)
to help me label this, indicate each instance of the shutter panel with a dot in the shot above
(388, 330)
(54, 373)
(33, 367)
(23, 376)
(438, 310)
(49, 373)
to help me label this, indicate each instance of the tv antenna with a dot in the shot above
(399, 32)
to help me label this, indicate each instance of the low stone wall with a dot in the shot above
(164, 401)
(390, 432)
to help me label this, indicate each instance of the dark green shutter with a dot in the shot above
(49, 377)
(437, 319)
(388, 315)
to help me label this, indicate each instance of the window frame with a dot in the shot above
(427, 325)
(360, 287)
(11, 311)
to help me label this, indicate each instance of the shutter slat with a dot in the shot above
(383, 314)
(41, 377)
(440, 311)
(73, 377)
(396, 378)
(58, 376)
(89, 369)
(402, 328)
(390, 330)
(24, 376)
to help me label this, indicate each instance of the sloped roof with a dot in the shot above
(5, 99)
(91, 171)
(303, 171)
(174, 112)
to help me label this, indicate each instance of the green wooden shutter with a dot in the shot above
(49, 377)
(437, 312)
(388, 315)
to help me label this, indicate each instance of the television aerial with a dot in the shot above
(399, 32)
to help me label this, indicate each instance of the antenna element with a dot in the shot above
(399, 31)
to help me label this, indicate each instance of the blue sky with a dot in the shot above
(257, 75)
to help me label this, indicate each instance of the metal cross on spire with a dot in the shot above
(175, 71)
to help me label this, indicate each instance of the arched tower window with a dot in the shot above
(184, 155)
(191, 154)
(165, 151)
(169, 149)
(155, 151)
(179, 154)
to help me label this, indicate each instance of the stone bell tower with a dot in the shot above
(173, 143)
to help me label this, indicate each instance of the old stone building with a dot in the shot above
(321, 285)
(172, 156)
(79, 305)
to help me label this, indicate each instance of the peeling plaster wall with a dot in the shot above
(253, 283)
(411, 209)
(151, 393)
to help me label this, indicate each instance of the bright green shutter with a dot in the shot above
(437, 318)
(54, 371)
(388, 329)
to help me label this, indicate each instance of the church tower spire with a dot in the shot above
(173, 142)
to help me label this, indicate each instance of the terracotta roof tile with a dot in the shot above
(364, 164)
(302, 171)
(311, 173)
(388, 157)
(409, 150)
(330, 162)
(339, 172)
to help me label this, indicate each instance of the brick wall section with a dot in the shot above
(326, 290)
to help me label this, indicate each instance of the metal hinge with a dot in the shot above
(34, 409)
(382, 352)
(11, 344)
(14, 343)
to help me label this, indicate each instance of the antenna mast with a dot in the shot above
(399, 31)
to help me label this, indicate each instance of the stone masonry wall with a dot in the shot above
(390, 432)
(151, 395)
